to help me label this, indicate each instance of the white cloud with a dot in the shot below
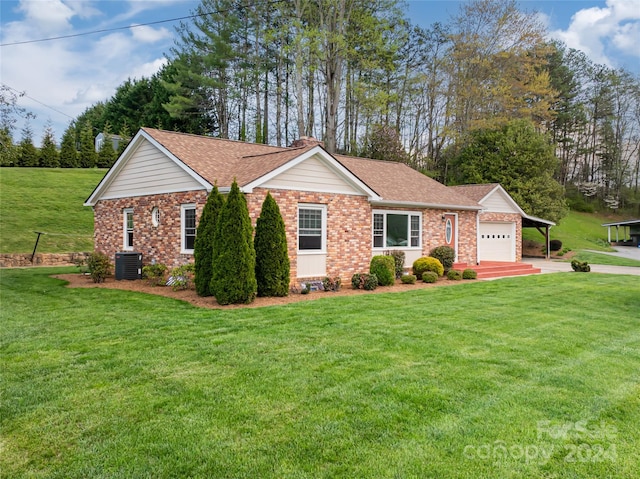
(603, 33)
(146, 34)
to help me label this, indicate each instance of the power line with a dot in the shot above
(37, 101)
(114, 29)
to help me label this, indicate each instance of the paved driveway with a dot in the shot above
(548, 266)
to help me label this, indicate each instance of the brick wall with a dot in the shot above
(349, 233)
(161, 243)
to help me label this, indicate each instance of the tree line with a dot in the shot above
(360, 76)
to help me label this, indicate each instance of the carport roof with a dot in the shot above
(624, 223)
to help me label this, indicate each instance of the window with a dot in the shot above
(311, 228)
(128, 229)
(396, 230)
(188, 220)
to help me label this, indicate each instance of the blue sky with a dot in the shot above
(61, 78)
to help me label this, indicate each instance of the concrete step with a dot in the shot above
(498, 269)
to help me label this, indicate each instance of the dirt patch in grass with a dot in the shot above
(533, 249)
(77, 280)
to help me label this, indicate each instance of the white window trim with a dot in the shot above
(409, 214)
(183, 242)
(125, 230)
(323, 209)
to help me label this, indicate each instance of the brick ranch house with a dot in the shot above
(339, 211)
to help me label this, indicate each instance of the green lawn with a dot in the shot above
(577, 231)
(478, 380)
(48, 200)
(600, 258)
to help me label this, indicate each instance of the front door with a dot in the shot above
(451, 231)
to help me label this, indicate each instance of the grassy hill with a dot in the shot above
(48, 200)
(578, 231)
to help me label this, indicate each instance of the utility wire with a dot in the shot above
(106, 30)
(37, 101)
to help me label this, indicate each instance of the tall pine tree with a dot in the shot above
(68, 151)
(28, 152)
(234, 258)
(88, 155)
(203, 248)
(49, 156)
(272, 256)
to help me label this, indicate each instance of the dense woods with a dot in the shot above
(359, 76)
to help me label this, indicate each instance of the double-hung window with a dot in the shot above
(128, 229)
(312, 228)
(397, 229)
(188, 228)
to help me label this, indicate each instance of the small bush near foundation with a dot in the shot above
(99, 266)
(182, 277)
(580, 266)
(398, 257)
(155, 274)
(454, 275)
(408, 279)
(384, 268)
(555, 245)
(331, 284)
(429, 277)
(427, 263)
(445, 254)
(469, 274)
(364, 281)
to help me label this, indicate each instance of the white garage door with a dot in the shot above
(497, 242)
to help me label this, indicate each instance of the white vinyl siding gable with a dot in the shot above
(148, 171)
(496, 202)
(311, 175)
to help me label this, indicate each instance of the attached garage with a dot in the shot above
(497, 241)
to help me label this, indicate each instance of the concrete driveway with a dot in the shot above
(548, 266)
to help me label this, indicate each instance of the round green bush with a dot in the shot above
(454, 275)
(469, 274)
(555, 245)
(371, 282)
(429, 277)
(427, 263)
(408, 279)
(445, 254)
(384, 267)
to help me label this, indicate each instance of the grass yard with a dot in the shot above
(540, 379)
(48, 200)
(577, 231)
(598, 258)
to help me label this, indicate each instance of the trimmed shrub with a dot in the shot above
(555, 245)
(454, 275)
(234, 258)
(399, 258)
(580, 266)
(408, 279)
(445, 254)
(182, 277)
(384, 268)
(155, 274)
(331, 284)
(427, 263)
(429, 277)
(272, 254)
(203, 245)
(99, 266)
(364, 281)
(469, 274)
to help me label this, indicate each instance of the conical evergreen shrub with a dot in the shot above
(203, 247)
(234, 258)
(272, 256)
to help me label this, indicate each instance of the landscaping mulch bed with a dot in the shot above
(77, 280)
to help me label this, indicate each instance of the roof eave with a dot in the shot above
(417, 204)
